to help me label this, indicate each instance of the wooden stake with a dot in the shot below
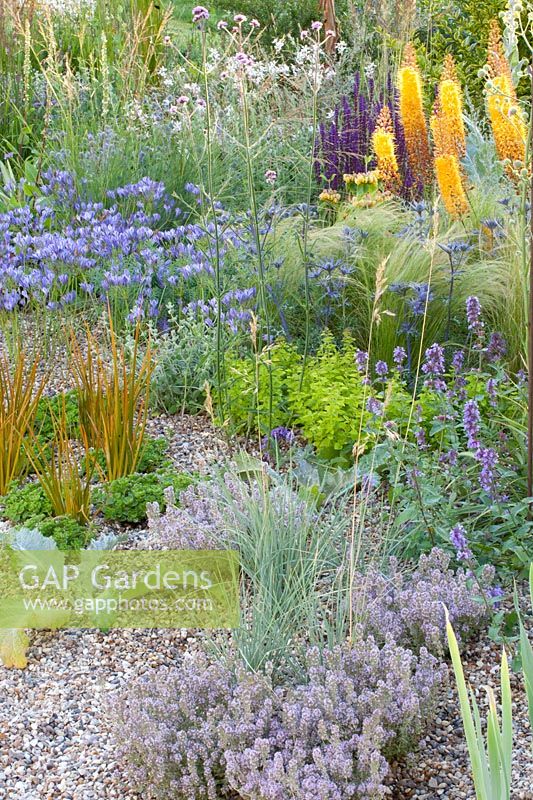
(530, 325)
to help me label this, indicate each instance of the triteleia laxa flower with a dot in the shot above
(384, 148)
(412, 115)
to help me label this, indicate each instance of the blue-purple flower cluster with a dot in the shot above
(138, 246)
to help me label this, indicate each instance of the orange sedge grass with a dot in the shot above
(113, 399)
(20, 391)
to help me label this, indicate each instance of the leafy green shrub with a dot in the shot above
(186, 360)
(125, 499)
(23, 503)
(65, 531)
(258, 392)
(153, 455)
(327, 407)
(459, 28)
(51, 408)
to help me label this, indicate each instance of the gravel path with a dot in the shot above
(55, 742)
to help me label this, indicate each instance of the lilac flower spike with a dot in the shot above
(374, 407)
(434, 367)
(473, 313)
(382, 369)
(361, 360)
(399, 356)
(488, 459)
(475, 324)
(460, 542)
(471, 419)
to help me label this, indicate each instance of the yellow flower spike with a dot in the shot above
(448, 173)
(384, 148)
(451, 109)
(507, 119)
(412, 115)
(497, 61)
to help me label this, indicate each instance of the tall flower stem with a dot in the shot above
(450, 298)
(220, 360)
(263, 293)
(307, 212)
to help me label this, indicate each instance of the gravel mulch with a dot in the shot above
(440, 767)
(55, 740)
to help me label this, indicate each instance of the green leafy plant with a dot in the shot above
(327, 405)
(490, 759)
(491, 756)
(125, 499)
(28, 502)
(49, 409)
(186, 360)
(153, 456)
(67, 533)
(526, 654)
(113, 401)
(258, 387)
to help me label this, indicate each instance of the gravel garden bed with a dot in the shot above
(265, 381)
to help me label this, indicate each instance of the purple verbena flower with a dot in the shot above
(199, 13)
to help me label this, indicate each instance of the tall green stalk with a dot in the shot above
(263, 298)
(220, 360)
(310, 179)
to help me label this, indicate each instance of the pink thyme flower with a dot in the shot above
(239, 19)
(254, 23)
(316, 26)
(222, 24)
(271, 176)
